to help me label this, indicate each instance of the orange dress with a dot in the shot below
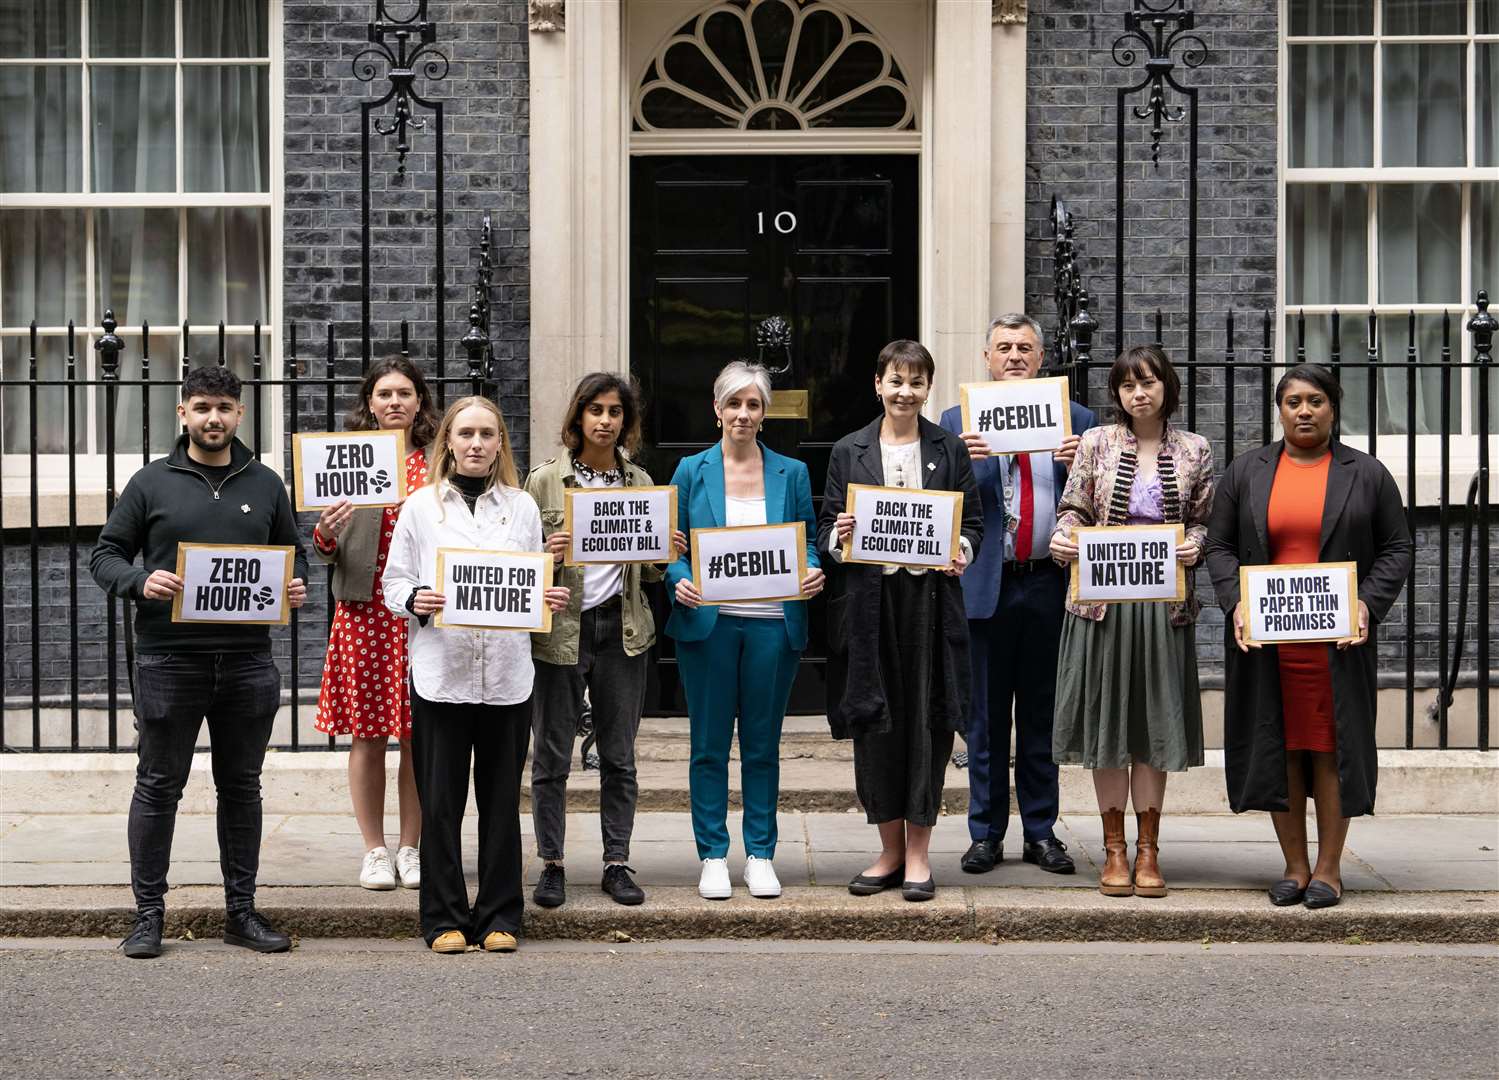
(1294, 522)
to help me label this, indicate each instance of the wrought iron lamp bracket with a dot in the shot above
(1163, 30)
(402, 62)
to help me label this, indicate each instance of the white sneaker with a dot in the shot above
(409, 867)
(377, 872)
(714, 884)
(760, 878)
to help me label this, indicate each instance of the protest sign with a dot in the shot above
(1299, 602)
(1018, 415)
(620, 525)
(749, 562)
(228, 583)
(494, 590)
(366, 467)
(895, 526)
(1116, 563)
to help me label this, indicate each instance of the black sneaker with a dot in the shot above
(144, 940)
(252, 931)
(619, 884)
(551, 889)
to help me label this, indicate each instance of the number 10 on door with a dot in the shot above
(783, 223)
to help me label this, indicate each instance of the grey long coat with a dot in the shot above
(1363, 522)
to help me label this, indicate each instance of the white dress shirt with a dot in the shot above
(492, 667)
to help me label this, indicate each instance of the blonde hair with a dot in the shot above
(738, 374)
(443, 464)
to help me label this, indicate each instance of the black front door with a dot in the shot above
(718, 246)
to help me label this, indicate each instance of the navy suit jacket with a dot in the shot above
(981, 581)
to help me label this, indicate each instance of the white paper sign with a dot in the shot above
(226, 583)
(494, 590)
(749, 562)
(366, 467)
(1128, 562)
(1299, 602)
(620, 525)
(1018, 415)
(903, 526)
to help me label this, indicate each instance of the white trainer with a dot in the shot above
(377, 873)
(714, 884)
(409, 867)
(760, 878)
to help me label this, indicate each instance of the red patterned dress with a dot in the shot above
(364, 691)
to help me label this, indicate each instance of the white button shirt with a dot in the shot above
(492, 667)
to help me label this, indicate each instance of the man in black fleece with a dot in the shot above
(210, 489)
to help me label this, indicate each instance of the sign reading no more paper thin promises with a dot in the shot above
(620, 525)
(749, 562)
(1118, 563)
(1305, 602)
(1017, 416)
(366, 467)
(895, 526)
(228, 583)
(494, 590)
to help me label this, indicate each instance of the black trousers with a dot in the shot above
(446, 740)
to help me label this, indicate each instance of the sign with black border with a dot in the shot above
(1119, 564)
(898, 526)
(508, 593)
(619, 536)
(1018, 416)
(1300, 603)
(240, 584)
(366, 467)
(760, 561)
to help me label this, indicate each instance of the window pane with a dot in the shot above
(51, 402)
(1332, 113)
(132, 28)
(1425, 98)
(1425, 16)
(1488, 16)
(1394, 336)
(41, 140)
(41, 267)
(1327, 244)
(47, 29)
(134, 128)
(228, 255)
(1486, 241)
(1327, 17)
(224, 28)
(226, 130)
(1419, 246)
(1486, 152)
(165, 427)
(135, 254)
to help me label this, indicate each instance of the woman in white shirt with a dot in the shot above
(471, 689)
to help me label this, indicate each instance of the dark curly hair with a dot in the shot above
(423, 424)
(590, 387)
(210, 381)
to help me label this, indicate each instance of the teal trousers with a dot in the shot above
(742, 670)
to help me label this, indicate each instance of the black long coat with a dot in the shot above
(1363, 522)
(856, 685)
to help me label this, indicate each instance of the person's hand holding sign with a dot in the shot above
(558, 596)
(1063, 547)
(1064, 454)
(814, 581)
(334, 520)
(1187, 553)
(1244, 646)
(1363, 628)
(958, 565)
(427, 602)
(678, 542)
(296, 592)
(161, 585)
(978, 449)
(687, 594)
(557, 544)
(845, 527)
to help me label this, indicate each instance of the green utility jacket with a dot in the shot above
(547, 484)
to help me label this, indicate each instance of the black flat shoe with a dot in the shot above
(916, 891)
(982, 856)
(1050, 855)
(868, 886)
(1286, 892)
(1320, 894)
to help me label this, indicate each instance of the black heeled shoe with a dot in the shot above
(1286, 892)
(1319, 894)
(868, 886)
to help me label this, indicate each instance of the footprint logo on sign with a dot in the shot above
(381, 480)
(263, 598)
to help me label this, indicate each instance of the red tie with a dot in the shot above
(1027, 508)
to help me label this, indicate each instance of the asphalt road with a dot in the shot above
(369, 1008)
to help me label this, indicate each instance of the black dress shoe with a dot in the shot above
(144, 939)
(1286, 892)
(1050, 855)
(1320, 894)
(916, 891)
(982, 856)
(619, 885)
(252, 931)
(868, 886)
(551, 887)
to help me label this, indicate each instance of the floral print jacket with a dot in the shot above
(1098, 487)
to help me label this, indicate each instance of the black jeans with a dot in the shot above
(239, 693)
(616, 692)
(446, 737)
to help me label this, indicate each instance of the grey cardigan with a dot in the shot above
(353, 560)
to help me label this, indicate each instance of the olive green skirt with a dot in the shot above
(1127, 691)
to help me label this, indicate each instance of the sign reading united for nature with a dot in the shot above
(620, 525)
(366, 467)
(896, 526)
(494, 590)
(1299, 602)
(1128, 562)
(1018, 415)
(749, 562)
(226, 583)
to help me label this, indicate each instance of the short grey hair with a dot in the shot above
(736, 375)
(1014, 320)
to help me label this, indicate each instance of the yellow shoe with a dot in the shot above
(499, 941)
(452, 941)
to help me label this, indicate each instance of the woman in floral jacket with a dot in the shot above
(1128, 705)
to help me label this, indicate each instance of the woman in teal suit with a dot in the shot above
(738, 660)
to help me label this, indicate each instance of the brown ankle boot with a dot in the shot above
(1148, 880)
(1114, 880)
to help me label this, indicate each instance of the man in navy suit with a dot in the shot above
(1013, 594)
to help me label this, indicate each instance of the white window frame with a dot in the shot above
(1391, 447)
(52, 469)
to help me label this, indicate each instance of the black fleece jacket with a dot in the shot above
(171, 500)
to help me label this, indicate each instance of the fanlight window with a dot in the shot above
(773, 65)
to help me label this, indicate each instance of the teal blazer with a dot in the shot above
(700, 505)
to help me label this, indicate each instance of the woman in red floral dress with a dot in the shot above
(365, 687)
